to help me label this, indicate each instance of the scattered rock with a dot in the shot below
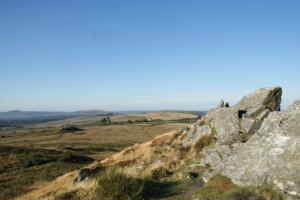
(105, 121)
(85, 173)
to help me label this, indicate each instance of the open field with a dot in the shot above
(96, 141)
(34, 155)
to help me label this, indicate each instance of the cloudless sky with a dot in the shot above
(145, 55)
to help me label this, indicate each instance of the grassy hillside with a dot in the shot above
(33, 155)
(20, 168)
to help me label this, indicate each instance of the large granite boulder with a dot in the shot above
(267, 97)
(226, 123)
(272, 155)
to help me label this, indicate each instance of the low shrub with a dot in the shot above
(71, 129)
(38, 159)
(70, 158)
(112, 184)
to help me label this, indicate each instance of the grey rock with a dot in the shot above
(226, 122)
(196, 133)
(216, 156)
(221, 104)
(234, 123)
(85, 173)
(232, 126)
(248, 125)
(268, 97)
(272, 155)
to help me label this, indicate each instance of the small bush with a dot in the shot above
(38, 159)
(75, 159)
(112, 184)
(71, 129)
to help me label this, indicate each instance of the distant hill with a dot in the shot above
(17, 118)
(22, 115)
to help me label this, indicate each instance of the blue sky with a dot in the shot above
(145, 55)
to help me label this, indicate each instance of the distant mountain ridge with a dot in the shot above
(25, 115)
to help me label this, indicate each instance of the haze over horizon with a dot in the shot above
(138, 55)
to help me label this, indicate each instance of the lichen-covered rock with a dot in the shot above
(216, 156)
(226, 122)
(195, 133)
(272, 155)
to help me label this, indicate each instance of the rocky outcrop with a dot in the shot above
(211, 140)
(256, 143)
(238, 123)
(272, 155)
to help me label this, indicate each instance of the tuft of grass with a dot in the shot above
(264, 192)
(222, 188)
(213, 130)
(79, 194)
(113, 184)
(160, 172)
(159, 189)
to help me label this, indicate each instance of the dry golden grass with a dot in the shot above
(98, 142)
(164, 116)
(95, 141)
(222, 188)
